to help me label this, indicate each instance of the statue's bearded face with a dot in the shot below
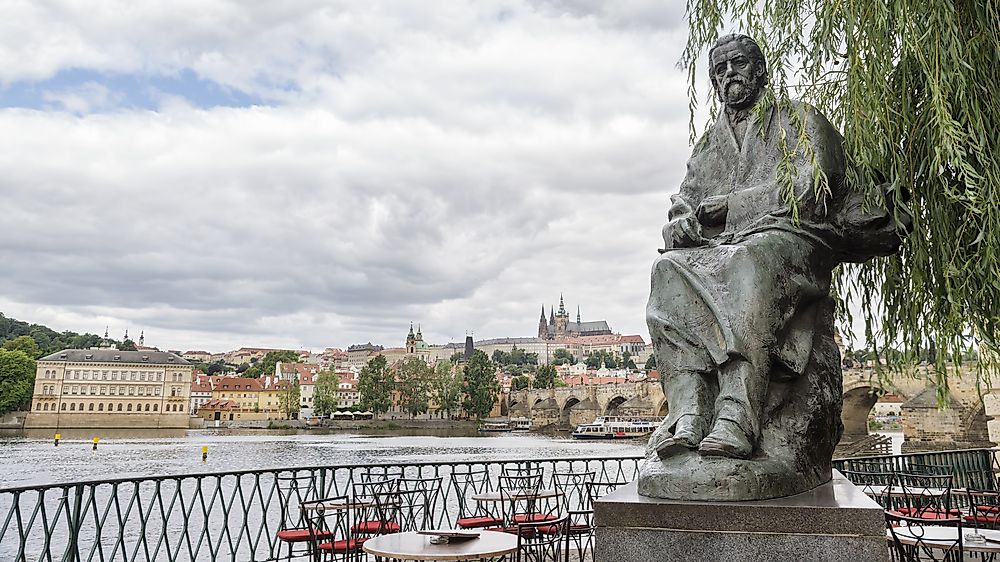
(736, 75)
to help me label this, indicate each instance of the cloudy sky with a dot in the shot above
(320, 173)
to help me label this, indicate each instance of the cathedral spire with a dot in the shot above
(552, 315)
(562, 306)
(578, 314)
(411, 329)
(542, 317)
(142, 337)
(105, 332)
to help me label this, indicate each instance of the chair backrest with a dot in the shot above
(420, 497)
(327, 525)
(294, 489)
(468, 484)
(930, 469)
(575, 489)
(875, 485)
(915, 539)
(542, 541)
(918, 495)
(984, 509)
(518, 495)
(380, 473)
(522, 468)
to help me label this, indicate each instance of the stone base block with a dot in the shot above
(834, 521)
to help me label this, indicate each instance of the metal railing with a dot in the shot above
(972, 468)
(212, 516)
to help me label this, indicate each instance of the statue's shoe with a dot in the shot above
(676, 444)
(725, 442)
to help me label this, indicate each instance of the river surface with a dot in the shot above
(32, 459)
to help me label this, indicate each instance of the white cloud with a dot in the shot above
(456, 166)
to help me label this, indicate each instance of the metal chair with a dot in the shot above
(294, 490)
(378, 508)
(473, 514)
(922, 496)
(519, 500)
(984, 509)
(541, 541)
(911, 541)
(419, 499)
(326, 523)
(875, 485)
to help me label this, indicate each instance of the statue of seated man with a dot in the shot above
(740, 293)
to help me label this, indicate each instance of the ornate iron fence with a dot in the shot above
(972, 468)
(213, 516)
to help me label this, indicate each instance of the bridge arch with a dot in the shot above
(564, 412)
(858, 403)
(612, 408)
(661, 410)
(538, 401)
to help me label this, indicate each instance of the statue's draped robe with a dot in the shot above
(751, 291)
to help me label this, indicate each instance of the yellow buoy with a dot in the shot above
(204, 453)
(58, 435)
(95, 443)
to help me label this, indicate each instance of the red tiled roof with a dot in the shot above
(219, 405)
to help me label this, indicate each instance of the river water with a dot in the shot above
(33, 459)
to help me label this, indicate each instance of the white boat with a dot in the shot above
(617, 427)
(494, 427)
(520, 424)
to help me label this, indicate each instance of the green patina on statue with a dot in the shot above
(740, 311)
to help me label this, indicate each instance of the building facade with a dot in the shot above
(109, 388)
(558, 325)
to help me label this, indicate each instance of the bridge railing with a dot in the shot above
(213, 516)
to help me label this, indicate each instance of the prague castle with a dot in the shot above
(558, 325)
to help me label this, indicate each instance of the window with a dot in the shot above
(90, 407)
(93, 390)
(81, 406)
(110, 406)
(133, 376)
(156, 390)
(147, 408)
(63, 407)
(104, 375)
(180, 407)
(104, 390)
(155, 406)
(100, 407)
(72, 407)
(131, 391)
(142, 376)
(119, 407)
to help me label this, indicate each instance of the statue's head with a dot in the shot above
(738, 70)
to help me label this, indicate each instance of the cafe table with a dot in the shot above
(414, 546)
(942, 538)
(497, 497)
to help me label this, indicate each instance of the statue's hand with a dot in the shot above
(683, 232)
(712, 210)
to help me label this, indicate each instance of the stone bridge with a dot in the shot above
(574, 405)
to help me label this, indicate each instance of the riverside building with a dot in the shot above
(109, 388)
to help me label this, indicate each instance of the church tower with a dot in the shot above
(543, 327)
(411, 341)
(562, 319)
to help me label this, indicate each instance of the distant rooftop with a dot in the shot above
(115, 356)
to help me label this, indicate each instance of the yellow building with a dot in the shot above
(245, 399)
(109, 388)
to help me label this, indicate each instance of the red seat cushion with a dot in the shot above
(988, 508)
(533, 517)
(574, 529)
(342, 545)
(476, 522)
(375, 527)
(525, 531)
(302, 535)
(927, 512)
(988, 519)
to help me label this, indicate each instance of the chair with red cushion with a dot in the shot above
(473, 514)
(911, 543)
(329, 525)
(294, 490)
(541, 541)
(984, 509)
(922, 496)
(519, 500)
(380, 508)
(420, 498)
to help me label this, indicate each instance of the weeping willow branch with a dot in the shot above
(913, 85)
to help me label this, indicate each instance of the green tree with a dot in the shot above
(375, 384)
(519, 383)
(291, 400)
(325, 393)
(17, 380)
(563, 357)
(501, 357)
(481, 386)
(414, 380)
(127, 345)
(447, 387)
(650, 363)
(912, 87)
(545, 377)
(266, 365)
(26, 344)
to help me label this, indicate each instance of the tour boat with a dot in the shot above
(494, 427)
(616, 427)
(520, 424)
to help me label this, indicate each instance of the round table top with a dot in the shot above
(337, 505)
(939, 536)
(411, 546)
(496, 497)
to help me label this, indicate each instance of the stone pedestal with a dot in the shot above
(834, 521)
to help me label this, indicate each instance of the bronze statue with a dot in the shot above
(739, 311)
